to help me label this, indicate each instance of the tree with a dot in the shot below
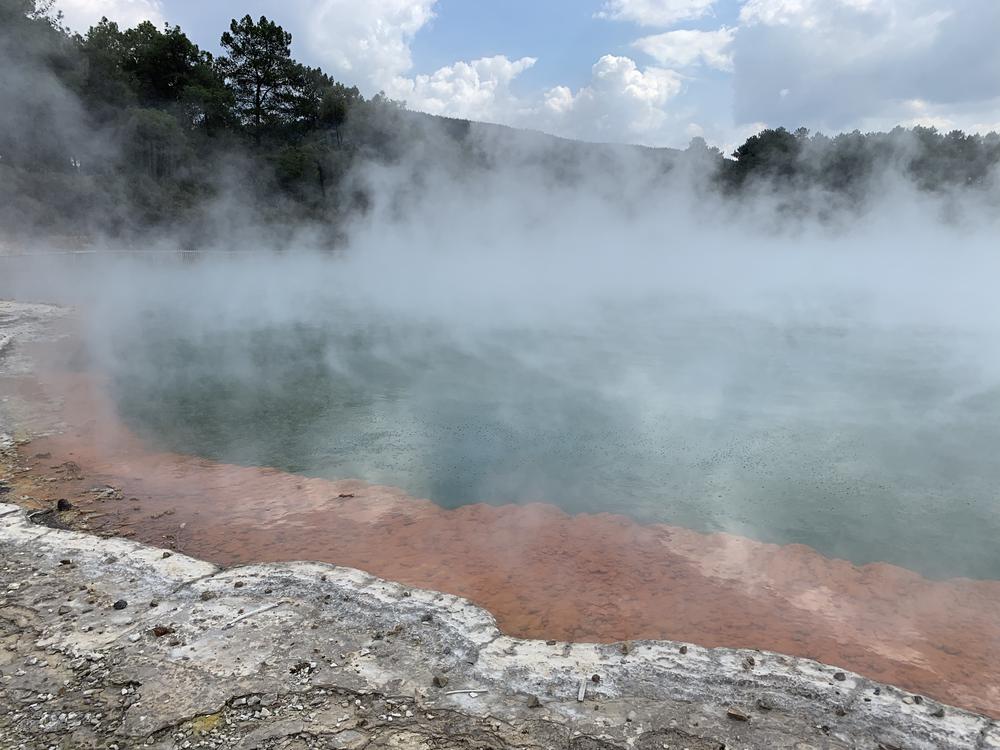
(22, 13)
(772, 153)
(153, 142)
(260, 70)
(335, 107)
(168, 70)
(106, 88)
(846, 162)
(310, 86)
(39, 67)
(163, 64)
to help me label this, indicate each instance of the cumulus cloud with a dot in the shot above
(684, 48)
(826, 64)
(660, 13)
(622, 101)
(80, 15)
(835, 63)
(477, 90)
(368, 42)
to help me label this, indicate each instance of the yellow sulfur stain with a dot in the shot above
(205, 724)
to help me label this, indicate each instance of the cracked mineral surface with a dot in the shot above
(111, 643)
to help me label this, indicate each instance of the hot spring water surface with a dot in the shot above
(866, 444)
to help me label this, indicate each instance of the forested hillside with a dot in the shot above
(117, 130)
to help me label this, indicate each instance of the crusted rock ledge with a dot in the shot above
(110, 643)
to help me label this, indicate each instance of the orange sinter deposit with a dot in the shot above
(541, 572)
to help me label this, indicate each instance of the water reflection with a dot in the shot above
(867, 444)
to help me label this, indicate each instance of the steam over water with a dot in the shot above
(866, 443)
(811, 376)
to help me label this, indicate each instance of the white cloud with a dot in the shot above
(835, 64)
(684, 48)
(621, 101)
(978, 117)
(808, 13)
(774, 11)
(477, 90)
(368, 42)
(662, 13)
(872, 25)
(80, 15)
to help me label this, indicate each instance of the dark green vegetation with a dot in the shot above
(119, 130)
(122, 128)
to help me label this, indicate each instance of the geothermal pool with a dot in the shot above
(865, 442)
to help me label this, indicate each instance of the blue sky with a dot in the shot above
(560, 33)
(655, 72)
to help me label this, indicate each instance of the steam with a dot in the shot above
(641, 346)
(512, 318)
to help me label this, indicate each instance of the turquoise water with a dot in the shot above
(864, 443)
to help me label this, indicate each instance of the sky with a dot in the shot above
(652, 72)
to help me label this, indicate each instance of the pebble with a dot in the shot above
(533, 701)
(120, 604)
(736, 714)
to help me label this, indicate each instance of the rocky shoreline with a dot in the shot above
(111, 643)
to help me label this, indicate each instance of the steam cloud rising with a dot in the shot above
(621, 341)
(512, 319)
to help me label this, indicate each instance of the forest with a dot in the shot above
(118, 130)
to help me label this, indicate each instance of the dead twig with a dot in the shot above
(241, 618)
